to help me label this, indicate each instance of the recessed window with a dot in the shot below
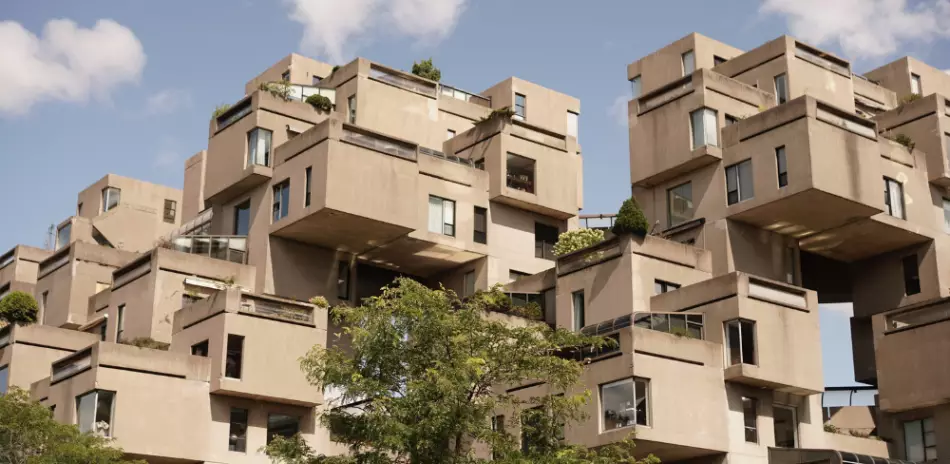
(94, 411)
(704, 127)
(740, 341)
(4, 379)
(521, 106)
(79, 209)
(63, 234)
(730, 119)
(894, 197)
(520, 173)
(449, 133)
(915, 86)
(497, 425)
(739, 182)
(306, 198)
(237, 433)
(281, 425)
(689, 62)
(577, 305)
(235, 357)
(200, 349)
(920, 440)
(911, 275)
(785, 420)
(110, 198)
(468, 284)
(171, 210)
(679, 201)
(750, 418)
(782, 166)
(781, 88)
(343, 280)
(441, 216)
(718, 60)
(481, 225)
(535, 423)
(545, 237)
(285, 76)
(120, 323)
(661, 286)
(258, 147)
(635, 87)
(624, 403)
(242, 218)
(351, 108)
(281, 200)
(572, 124)
(44, 297)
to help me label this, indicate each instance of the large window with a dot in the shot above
(94, 411)
(704, 127)
(689, 62)
(62, 235)
(635, 87)
(545, 237)
(171, 210)
(351, 108)
(281, 425)
(782, 166)
(894, 197)
(441, 216)
(4, 379)
(237, 434)
(521, 106)
(781, 88)
(750, 418)
(577, 305)
(920, 440)
(110, 198)
(572, 124)
(235, 357)
(343, 280)
(740, 341)
(481, 225)
(679, 202)
(915, 86)
(520, 173)
(281, 200)
(739, 182)
(242, 218)
(258, 147)
(660, 286)
(120, 323)
(306, 198)
(786, 426)
(624, 403)
(468, 284)
(911, 275)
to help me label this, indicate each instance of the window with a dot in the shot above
(343, 280)
(171, 209)
(689, 62)
(782, 166)
(94, 412)
(4, 379)
(468, 284)
(791, 270)
(781, 88)
(514, 275)
(497, 425)
(740, 341)
(306, 198)
(750, 419)
(577, 304)
(315, 80)
(704, 127)
(660, 286)
(281, 200)
(351, 107)
(572, 124)
(730, 120)
(915, 84)
(79, 209)
(624, 403)
(242, 218)
(103, 330)
(110, 198)
(258, 147)
(281, 425)
(920, 440)
(521, 103)
(635, 87)
(62, 235)
(200, 349)
(679, 203)
(120, 323)
(946, 140)
(520, 173)
(234, 358)
(545, 237)
(449, 133)
(481, 225)
(786, 426)
(946, 215)
(441, 216)
(894, 197)
(739, 182)
(718, 60)
(44, 297)
(285, 76)
(237, 435)
(911, 275)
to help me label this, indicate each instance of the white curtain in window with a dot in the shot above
(896, 197)
(435, 215)
(746, 190)
(710, 127)
(689, 62)
(87, 412)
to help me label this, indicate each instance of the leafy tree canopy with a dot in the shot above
(577, 239)
(18, 308)
(426, 69)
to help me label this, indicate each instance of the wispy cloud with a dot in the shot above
(66, 63)
(865, 29)
(168, 155)
(167, 101)
(331, 27)
(617, 111)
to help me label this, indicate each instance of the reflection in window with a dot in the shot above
(740, 341)
(739, 182)
(281, 425)
(110, 198)
(258, 147)
(441, 216)
(679, 200)
(94, 412)
(237, 434)
(624, 403)
(62, 235)
(520, 173)
(920, 440)
(521, 104)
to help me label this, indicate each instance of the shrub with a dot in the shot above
(910, 98)
(280, 89)
(906, 141)
(503, 113)
(831, 428)
(320, 102)
(577, 239)
(18, 308)
(320, 302)
(630, 219)
(426, 69)
(220, 109)
(146, 342)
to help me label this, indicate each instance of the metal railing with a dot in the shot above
(590, 352)
(277, 310)
(601, 221)
(403, 82)
(301, 92)
(372, 142)
(682, 324)
(458, 94)
(223, 247)
(452, 158)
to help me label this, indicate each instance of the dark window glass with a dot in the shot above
(200, 349)
(740, 341)
(782, 166)
(282, 425)
(911, 275)
(306, 200)
(171, 210)
(750, 419)
(343, 280)
(237, 435)
(242, 218)
(235, 355)
(481, 225)
(281, 200)
(545, 237)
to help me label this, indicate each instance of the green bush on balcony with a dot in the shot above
(18, 308)
(220, 109)
(320, 102)
(320, 302)
(630, 219)
(426, 69)
(146, 342)
(577, 239)
(280, 89)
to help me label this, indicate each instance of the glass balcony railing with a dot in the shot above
(681, 324)
(458, 94)
(277, 310)
(301, 92)
(71, 365)
(403, 82)
(380, 144)
(223, 247)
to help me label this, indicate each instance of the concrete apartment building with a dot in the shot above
(761, 173)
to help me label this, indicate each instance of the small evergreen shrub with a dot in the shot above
(220, 109)
(18, 308)
(320, 102)
(426, 69)
(320, 302)
(146, 342)
(630, 219)
(577, 239)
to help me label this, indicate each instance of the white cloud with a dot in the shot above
(167, 101)
(66, 63)
(332, 26)
(617, 111)
(864, 28)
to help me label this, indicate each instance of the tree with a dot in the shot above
(630, 219)
(426, 69)
(18, 308)
(577, 239)
(418, 381)
(29, 435)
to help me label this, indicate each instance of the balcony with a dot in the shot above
(28, 351)
(925, 121)
(19, 267)
(224, 247)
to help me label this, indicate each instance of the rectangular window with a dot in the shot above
(235, 357)
(624, 403)
(316, 80)
(915, 87)
(782, 166)
(343, 280)
(520, 173)
(242, 218)
(481, 225)
(44, 297)
(660, 286)
(577, 300)
(281, 200)
(911, 275)
(781, 88)
(120, 323)
(285, 76)
(468, 284)
(791, 270)
(689, 63)
(4, 379)
(730, 119)
(110, 198)
(679, 203)
(572, 124)
(920, 440)
(94, 412)
(62, 235)
(258, 147)
(750, 419)
(351, 107)
(718, 60)
(306, 198)
(545, 237)
(281, 425)
(946, 215)
(740, 341)
(704, 127)
(449, 133)
(200, 349)
(739, 182)
(786, 426)
(237, 434)
(497, 425)
(521, 104)
(894, 197)
(635, 87)
(103, 330)
(79, 209)
(946, 139)
(441, 216)
(171, 210)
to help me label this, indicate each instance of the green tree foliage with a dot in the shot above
(577, 239)
(220, 109)
(29, 435)
(18, 308)
(426, 69)
(320, 102)
(630, 219)
(147, 342)
(419, 376)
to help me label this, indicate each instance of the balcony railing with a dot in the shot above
(681, 324)
(917, 317)
(301, 92)
(588, 257)
(598, 221)
(666, 94)
(390, 147)
(223, 247)
(200, 225)
(403, 82)
(277, 310)
(821, 59)
(233, 114)
(71, 365)
(607, 327)
(458, 94)
(452, 158)
(591, 353)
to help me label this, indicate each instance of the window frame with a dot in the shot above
(781, 96)
(270, 435)
(729, 120)
(107, 194)
(544, 249)
(669, 204)
(244, 205)
(781, 166)
(4, 379)
(795, 432)
(119, 322)
(468, 284)
(532, 185)
(281, 201)
(910, 270)
(647, 409)
(343, 284)
(728, 345)
(578, 314)
(718, 60)
(308, 180)
(254, 143)
(521, 111)
(573, 123)
(889, 184)
(662, 286)
(351, 109)
(206, 344)
(445, 226)
(95, 412)
(692, 58)
(946, 215)
(706, 133)
(62, 240)
(228, 352)
(240, 440)
(754, 428)
(171, 206)
(636, 86)
(480, 212)
(916, 85)
(923, 438)
(738, 169)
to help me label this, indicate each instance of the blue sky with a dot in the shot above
(133, 95)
